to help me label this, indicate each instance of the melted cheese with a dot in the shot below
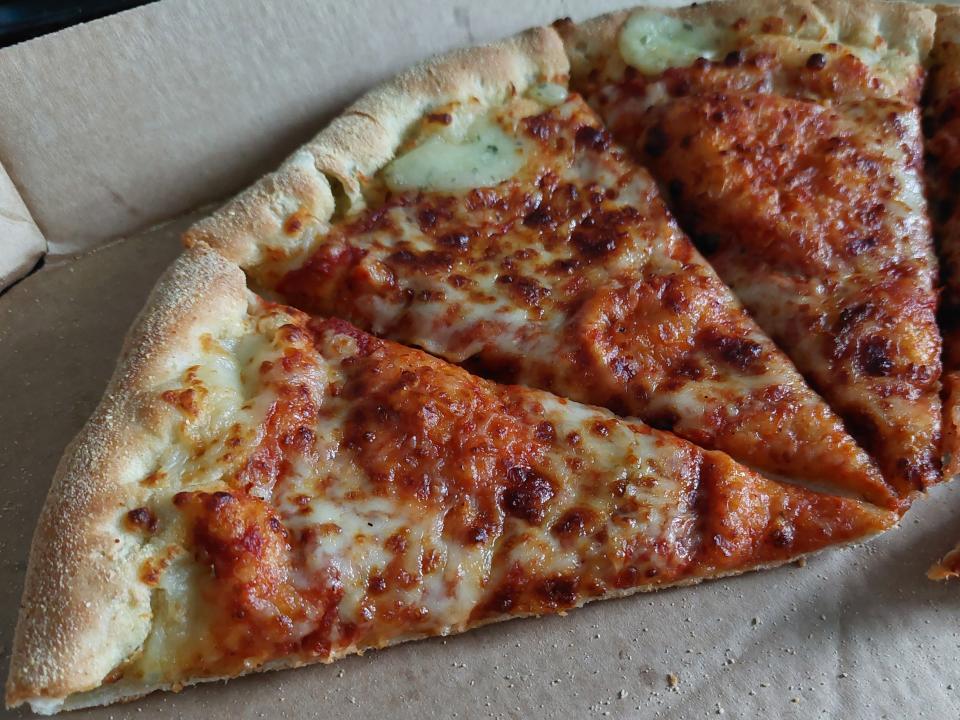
(652, 41)
(572, 277)
(548, 94)
(399, 496)
(485, 155)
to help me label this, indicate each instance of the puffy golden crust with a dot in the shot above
(903, 26)
(83, 610)
(299, 198)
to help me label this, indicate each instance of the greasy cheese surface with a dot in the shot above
(795, 167)
(327, 492)
(572, 277)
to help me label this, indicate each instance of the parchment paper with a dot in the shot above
(857, 633)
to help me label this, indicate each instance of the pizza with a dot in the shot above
(520, 241)
(598, 309)
(787, 139)
(262, 488)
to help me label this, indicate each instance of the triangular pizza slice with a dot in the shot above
(942, 126)
(787, 138)
(509, 233)
(260, 489)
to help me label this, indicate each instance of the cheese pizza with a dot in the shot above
(262, 489)
(457, 361)
(521, 242)
(787, 138)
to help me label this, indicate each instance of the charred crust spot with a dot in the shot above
(397, 543)
(545, 432)
(599, 233)
(376, 584)
(743, 354)
(293, 224)
(219, 499)
(142, 519)
(427, 218)
(873, 356)
(543, 126)
(783, 534)
(600, 428)
(538, 217)
(921, 470)
(852, 315)
(526, 494)
(503, 600)
(576, 522)
(817, 61)
(733, 58)
(559, 591)
(455, 240)
(478, 534)
(591, 138)
(185, 400)
(441, 118)
(860, 245)
(404, 257)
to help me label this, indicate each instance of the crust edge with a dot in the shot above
(286, 207)
(82, 610)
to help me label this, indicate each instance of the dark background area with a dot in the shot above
(23, 19)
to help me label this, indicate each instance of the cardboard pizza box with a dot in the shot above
(116, 134)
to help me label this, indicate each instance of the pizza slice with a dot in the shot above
(942, 125)
(260, 489)
(484, 214)
(786, 136)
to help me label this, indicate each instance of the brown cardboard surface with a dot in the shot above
(113, 126)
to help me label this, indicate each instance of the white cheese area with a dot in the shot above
(652, 41)
(484, 155)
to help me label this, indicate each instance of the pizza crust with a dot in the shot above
(327, 173)
(903, 26)
(83, 609)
